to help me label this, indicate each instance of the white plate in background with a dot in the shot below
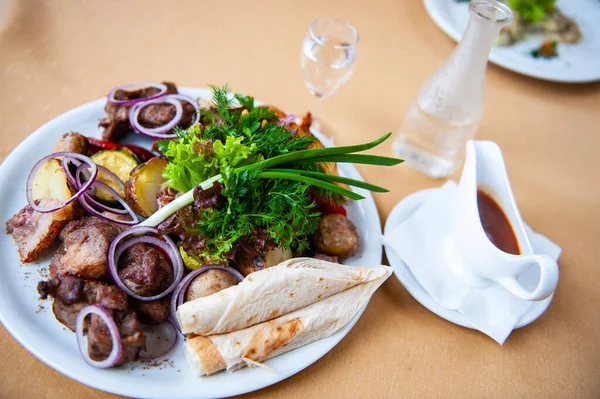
(576, 63)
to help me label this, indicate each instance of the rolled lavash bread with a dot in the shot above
(253, 345)
(269, 293)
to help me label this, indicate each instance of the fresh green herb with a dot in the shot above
(265, 176)
(532, 10)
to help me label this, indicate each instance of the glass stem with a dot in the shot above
(317, 106)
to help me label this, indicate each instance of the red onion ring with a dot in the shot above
(286, 120)
(117, 345)
(166, 244)
(160, 86)
(179, 293)
(157, 132)
(82, 189)
(183, 97)
(173, 338)
(90, 203)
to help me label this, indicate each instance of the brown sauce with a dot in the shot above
(496, 224)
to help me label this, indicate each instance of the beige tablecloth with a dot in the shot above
(55, 55)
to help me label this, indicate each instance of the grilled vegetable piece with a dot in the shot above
(51, 182)
(72, 142)
(34, 232)
(119, 163)
(143, 185)
(337, 236)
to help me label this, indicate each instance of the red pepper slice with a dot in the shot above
(103, 145)
(142, 153)
(328, 206)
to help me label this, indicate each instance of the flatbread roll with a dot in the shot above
(253, 345)
(270, 293)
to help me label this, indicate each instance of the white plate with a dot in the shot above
(576, 63)
(39, 332)
(403, 210)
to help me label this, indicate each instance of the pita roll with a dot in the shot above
(270, 293)
(253, 345)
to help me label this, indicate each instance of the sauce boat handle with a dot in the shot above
(546, 285)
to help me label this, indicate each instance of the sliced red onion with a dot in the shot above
(117, 246)
(117, 345)
(65, 164)
(179, 293)
(190, 100)
(132, 86)
(85, 202)
(163, 347)
(91, 201)
(82, 189)
(157, 132)
(286, 120)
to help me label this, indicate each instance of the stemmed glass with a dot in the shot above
(327, 60)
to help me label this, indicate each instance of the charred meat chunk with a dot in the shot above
(72, 142)
(71, 294)
(34, 232)
(116, 123)
(84, 249)
(145, 270)
(130, 330)
(337, 236)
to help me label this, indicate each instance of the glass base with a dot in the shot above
(424, 162)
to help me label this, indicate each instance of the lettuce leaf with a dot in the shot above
(531, 10)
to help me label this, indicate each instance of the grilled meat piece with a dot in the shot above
(337, 236)
(153, 312)
(72, 142)
(34, 232)
(145, 270)
(72, 294)
(84, 249)
(116, 123)
(132, 337)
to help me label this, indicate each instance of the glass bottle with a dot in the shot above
(449, 105)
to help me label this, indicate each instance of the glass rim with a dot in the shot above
(321, 42)
(503, 9)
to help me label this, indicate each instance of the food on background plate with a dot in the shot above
(539, 17)
(252, 344)
(235, 189)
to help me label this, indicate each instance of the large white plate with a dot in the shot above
(38, 331)
(576, 63)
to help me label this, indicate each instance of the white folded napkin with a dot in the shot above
(419, 242)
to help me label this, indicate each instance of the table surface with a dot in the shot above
(59, 54)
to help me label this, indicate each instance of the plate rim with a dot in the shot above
(431, 6)
(375, 252)
(416, 290)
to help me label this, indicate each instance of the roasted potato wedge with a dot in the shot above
(50, 181)
(143, 185)
(118, 162)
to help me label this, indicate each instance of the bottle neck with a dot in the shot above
(477, 41)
